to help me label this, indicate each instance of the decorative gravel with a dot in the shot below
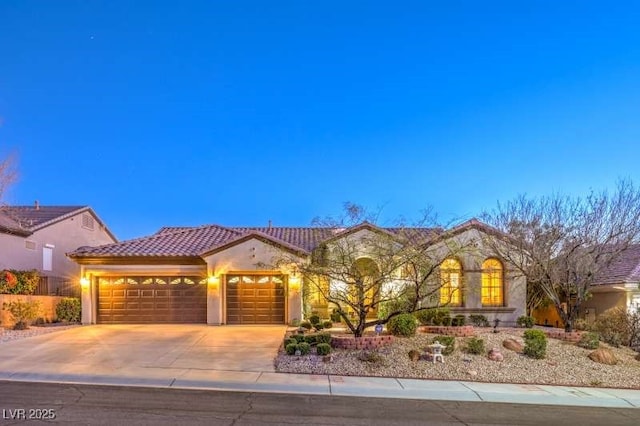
(565, 363)
(7, 335)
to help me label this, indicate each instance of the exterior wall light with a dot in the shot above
(294, 283)
(213, 281)
(84, 282)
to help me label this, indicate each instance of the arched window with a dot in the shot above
(492, 283)
(451, 289)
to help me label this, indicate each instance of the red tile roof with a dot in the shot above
(195, 241)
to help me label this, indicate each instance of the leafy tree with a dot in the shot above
(563, 245)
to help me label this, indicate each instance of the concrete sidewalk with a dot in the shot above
(251, 381)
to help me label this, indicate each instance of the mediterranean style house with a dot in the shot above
(38, 237)
(218, 275)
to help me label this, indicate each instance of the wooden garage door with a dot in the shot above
(255, 299)
(152, 300)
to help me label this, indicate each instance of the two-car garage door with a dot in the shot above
(152, 300)
(250, 299)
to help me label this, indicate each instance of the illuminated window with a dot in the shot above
(451, 276)
(492, 283)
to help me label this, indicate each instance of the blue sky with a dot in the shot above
(237, 112)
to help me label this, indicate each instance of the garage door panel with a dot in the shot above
(151, 302)
(255, 299)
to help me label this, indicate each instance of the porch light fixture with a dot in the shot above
(213, 281)
(294, 283)
(84, 282)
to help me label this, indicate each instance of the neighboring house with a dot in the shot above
(217, 275)
(38, 237)
(617, 287)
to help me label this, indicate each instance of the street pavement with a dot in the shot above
(22, 403)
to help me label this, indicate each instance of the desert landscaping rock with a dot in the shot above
(495, 355)
(513, 345)
(565, 364)
(603, 356)
(11, 335)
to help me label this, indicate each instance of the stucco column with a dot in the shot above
(294, 300)
(86, 298)
(214, 301)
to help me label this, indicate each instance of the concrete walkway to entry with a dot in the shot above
(241, 359)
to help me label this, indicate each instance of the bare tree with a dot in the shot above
(359, 273)
(563, 245)
(7, 175)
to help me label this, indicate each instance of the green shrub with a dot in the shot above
(448, 341)
(298, 337)
(458, 321)
(580, 324)
(525, 321)
(327, 324)
(291, 348)
(306, 324)
(319, 326)
(295, 322)
(310, 339)
(22, 312)
(314, 319)
(323, 349)
(589, 340)
(402, 325)
(323, 338)
(479, 320)
(618, 327)
(19, 282)
(475, 346)
(372, 357)
(69, 309)
(446, 321)
(535, 344)
(335, 316)
(290, 341)
(425, 317)
(433, 316)
(304, 348)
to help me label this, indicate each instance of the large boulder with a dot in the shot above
(603, 356)
(513, 345)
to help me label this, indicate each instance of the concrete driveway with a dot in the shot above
(149, 349)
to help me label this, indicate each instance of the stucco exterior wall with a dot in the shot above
(604, 301)
(66, 236)
(472, 253)
(252, 255)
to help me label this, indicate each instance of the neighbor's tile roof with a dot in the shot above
(626, 269)
(27, 219)
(194, 241)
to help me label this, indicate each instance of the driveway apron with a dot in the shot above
(108, 349)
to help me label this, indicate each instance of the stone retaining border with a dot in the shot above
(464, 331)
(365, 342)
(573, 337)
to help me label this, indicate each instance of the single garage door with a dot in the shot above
(255, 299)
(152, 300)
